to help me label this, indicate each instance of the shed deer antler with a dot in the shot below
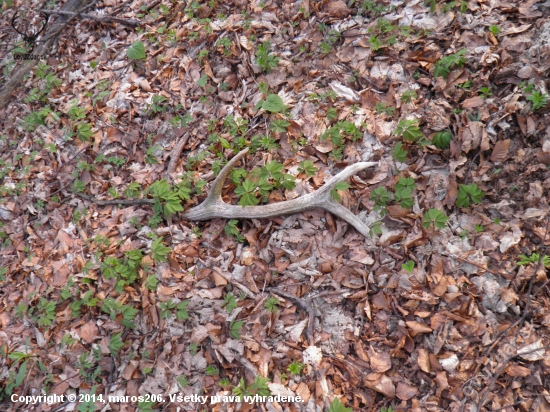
(213, 206)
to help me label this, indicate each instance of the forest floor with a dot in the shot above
(107, 291)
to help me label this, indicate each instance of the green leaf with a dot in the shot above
(338, 406)
(116, 343)
(235, 329)
(341, 186)
(442, 140)
(434, 217)
(467, 194)
(229, 302)
(398, 153)
(159, 250)
(409, 130)
(273, 103)
(202, 81)
(136, 51)
(380, 196)
(408, 267)
(21, 374)
(181, 310)
(271, 304)
(332, 114)
(307, 167)
(279, 125)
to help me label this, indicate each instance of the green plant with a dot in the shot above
(538, 100)
(226, 44)
(467, 194)
(156, 105)
(388, 409)
(495, 30)
(307, 167)
(485, 92)
(382, 107)
(180, 308)
(479, 228)
(273, 103)
(337, 406)
(258, 387)
(279, 125)
(225, 382)
(116, 343)
(182, 381)
(265, 59)
(114, 308)
(231, 229)
(136, 51)
(408, 267)
(403, 192)
(296, 368)
(271, 304)
(229, 303)
(444, 65)
(409, 130)
(381, 197)
(341, 186)
(46, 312)
(533, 259)
(435, 218)
(235, 328)
(212, 370)
(442, 140)
(408, 96)
(88, 402)
(398, 153)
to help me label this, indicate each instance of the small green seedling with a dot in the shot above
(467, 194)
(435, 218)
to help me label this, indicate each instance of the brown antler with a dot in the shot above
(213, 206)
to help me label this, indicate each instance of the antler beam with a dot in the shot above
(214, 207)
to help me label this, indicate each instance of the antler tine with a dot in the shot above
(213, 206)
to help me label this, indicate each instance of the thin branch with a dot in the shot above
(175, 156)
(123, 202)
(101, 19)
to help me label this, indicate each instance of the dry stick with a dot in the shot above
(101, 19)
(521, 320)
(175, 156)
(123, 202)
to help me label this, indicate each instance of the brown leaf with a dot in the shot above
(424, 360)
(89, 332)
(338, 9)
(405, 392)
(418, 327)
(380, 362)
(472, 102)
(517, 370)
(500, 151)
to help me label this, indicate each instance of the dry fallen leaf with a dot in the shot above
(500, 151)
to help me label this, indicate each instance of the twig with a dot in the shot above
(101, 19)
(123, 202)
(175, 155)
